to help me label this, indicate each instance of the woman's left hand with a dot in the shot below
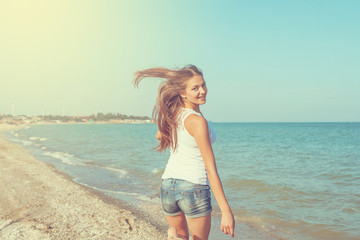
(228, 223)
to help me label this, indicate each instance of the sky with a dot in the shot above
(263, 60)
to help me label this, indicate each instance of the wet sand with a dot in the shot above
(39, 202)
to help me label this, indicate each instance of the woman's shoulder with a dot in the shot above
(195, 122)
(195, 118)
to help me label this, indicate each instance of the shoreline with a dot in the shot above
(41, 202)
(148, 216)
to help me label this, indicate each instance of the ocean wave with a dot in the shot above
(134, 195)
(157, 172)
(239, 184)
(40, 139)
(278, 190)
(296, 229)
(141, 197)
(120, 172)
(154, 171)
(148, 198)
(66, 158)
(23, 142)
(15, 140)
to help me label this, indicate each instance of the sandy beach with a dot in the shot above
(39, 202)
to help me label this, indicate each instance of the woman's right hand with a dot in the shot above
(228, 223)
(158, 135)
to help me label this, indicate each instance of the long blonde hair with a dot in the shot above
(169, 102)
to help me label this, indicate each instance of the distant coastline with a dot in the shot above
(99, 118)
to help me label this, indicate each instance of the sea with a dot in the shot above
(297, 181)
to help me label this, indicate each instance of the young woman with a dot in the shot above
(191, 168)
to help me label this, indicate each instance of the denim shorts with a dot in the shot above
(181, 196)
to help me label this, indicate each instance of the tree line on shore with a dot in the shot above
(93, 117)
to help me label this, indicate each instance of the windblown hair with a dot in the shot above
(169, 102)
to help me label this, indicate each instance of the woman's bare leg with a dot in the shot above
(179, 224)
(200, 227)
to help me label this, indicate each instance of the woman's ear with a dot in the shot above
(182, 95)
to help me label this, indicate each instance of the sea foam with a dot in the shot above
(65, 158)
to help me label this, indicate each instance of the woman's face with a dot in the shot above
(195, 91)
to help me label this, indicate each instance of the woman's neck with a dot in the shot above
(195, 107)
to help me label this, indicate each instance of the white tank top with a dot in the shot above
(186, 161)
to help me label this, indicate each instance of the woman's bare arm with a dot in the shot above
(197, 127)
